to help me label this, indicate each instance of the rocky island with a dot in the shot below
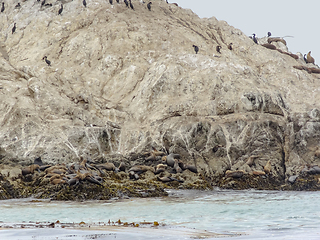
(103, 101)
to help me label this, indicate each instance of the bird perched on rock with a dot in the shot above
(2, 8)
(126, 2)
(269, 34)
(230, 46)
(110, 1)
(254, 38)
(218, 49)
(117, 1)
(130, 3)
(18, 5)
(60, 10)
(46, 60)
(84, 3)
(149, 6)
(14, 28)
(43, 2)
(196, 48)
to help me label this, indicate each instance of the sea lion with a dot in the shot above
(38, 161)
(176, 166)
(192, 168)
(60, 10)
(141, 169)
(230, 46)
(250, 160)
(270, 40)
(30, 169)
(59, 167)
(269, 46)
(196, 48)
(169, 160)
(160, 168)
(309, 58)
(169, 179)
(267, 167)
(58, 181)
(106, 166)
(258, 173)
(234, 174)
(292, 179)
(122, 167)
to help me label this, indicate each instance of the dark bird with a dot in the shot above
(48, 5)
(84, 3)
(196, 49)
(218, 48)
(110, 1)
(117, 1)
(2, 8)
(254, 38)
(130, 3)
(126, 2)
(18, 5)
(149, 6)
(230, 46)
(269, 34)
(14, 28)
(47, 61)
(43, 2)
(60, 10)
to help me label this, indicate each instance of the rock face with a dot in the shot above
(123, 81)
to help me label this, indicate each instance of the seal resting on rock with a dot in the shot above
(235, 174)
(169, 179)
(250, 160)
(169, 160)
(30, 169)
(267, 167)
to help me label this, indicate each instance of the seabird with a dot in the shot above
(218, 49)
(43, 2)
(230, 46)
(84, 3)
(269, 34)
(126, 2)
(117, 1)
(196, 49)
(110, 1)
(60, 10)
(14, 28)
(2, 8)
(149, 6)
(47, 61)
(131, 5)
(18, 5)
(254, 38)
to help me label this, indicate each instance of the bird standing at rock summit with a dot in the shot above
(60, 10)
(149, 6)
(110, 1)
(46, 60)
(196, 48)
(130, 3)
(14, 28)
(126, 2)
(2, 8)
(84, 3)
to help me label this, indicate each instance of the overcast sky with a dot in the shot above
(297, 18)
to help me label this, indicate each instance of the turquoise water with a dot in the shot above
(253, 214)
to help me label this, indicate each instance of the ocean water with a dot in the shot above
(185, 214)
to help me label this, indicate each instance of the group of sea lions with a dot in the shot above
(307, 57)
(86, 170)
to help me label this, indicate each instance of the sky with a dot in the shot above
(296, 18)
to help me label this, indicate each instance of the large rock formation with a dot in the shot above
(123, 81)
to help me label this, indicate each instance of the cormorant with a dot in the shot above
(110, 1)
(84, 3)
(17, 6)
(131, 5)
(269, 34)
(14, 28)
(47, 61)
(218, 49)
(60, 10)
(254, 38)
(126, 2)
(196, 49)
(2, 8)
(117, 1)
(149, 6)
(43, 2)
(230, 46)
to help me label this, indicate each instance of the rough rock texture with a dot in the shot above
(121, 81)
